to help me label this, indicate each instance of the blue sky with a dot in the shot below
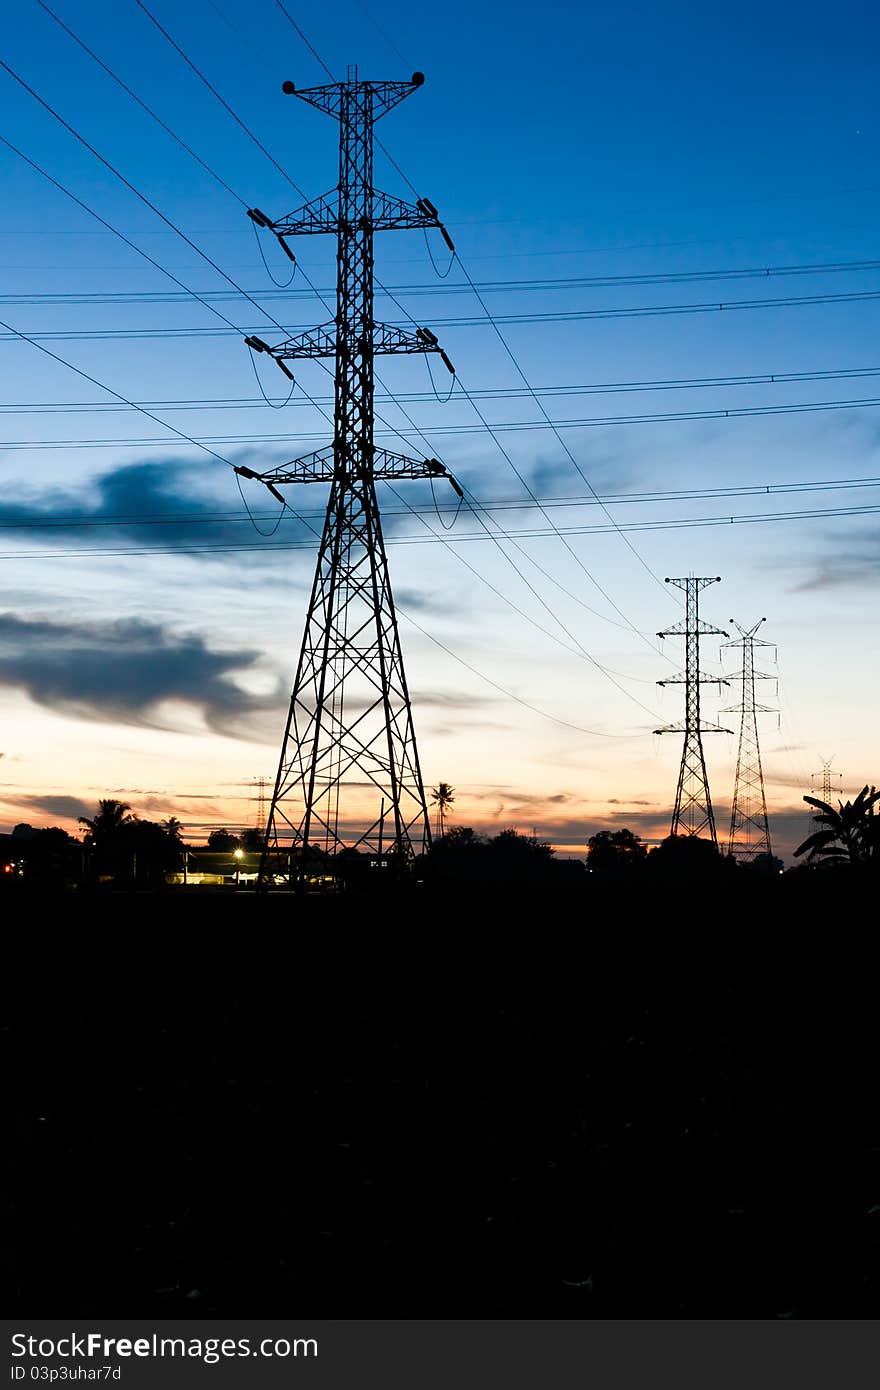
(569, 146)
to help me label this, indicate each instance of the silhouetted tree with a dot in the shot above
(146, 852)
(762, 866)
(51, 856)
(111, 817)
(615, 852)
(462, 837)
(442, 796)
(103, 837)
(688, 857)
(223, 840)
(850, 834)
(252, 841)
(519, 857)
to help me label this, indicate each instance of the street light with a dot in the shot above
(238, 855)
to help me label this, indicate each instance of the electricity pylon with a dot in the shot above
(749, 826)
(261, 804)
(693, 805)
(826, 774)
(349, 774)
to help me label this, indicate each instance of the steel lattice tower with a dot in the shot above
(749, 826)
(826, 774)
(349, 774)
(693, 805)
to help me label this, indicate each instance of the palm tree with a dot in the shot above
(852, 832)
(174, 830)
(442, 797)
(111, 817)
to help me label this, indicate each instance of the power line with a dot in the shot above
(487, 505)
(457, 380)
(509, 352)
(531, 285)
(142, 104)
(314, 52)
(109, 389)
(516, 426)
(596, 733)
(524, 484)
(94, 381)
(232, 282)
(484, 393)
(564, 316)
(658, 310)
(202, 78)
(143, 198)
(681, 523)
(190, 294)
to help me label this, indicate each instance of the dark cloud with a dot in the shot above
(451, 700)
(123, 671)
(65, 807)
(850, 563)
(147, 501)
(444, 730)
(608, 469)
(415, 601)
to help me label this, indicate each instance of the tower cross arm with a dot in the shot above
(385, 338)
(330, 98)
(683, 729)
(387, 213)
(320, 467)
(318, 215)
(316, 467)
(311, 342)
(697, 678)
(683, 629)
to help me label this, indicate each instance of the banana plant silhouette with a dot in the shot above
(850, 833)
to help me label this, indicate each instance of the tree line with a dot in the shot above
(118, 846)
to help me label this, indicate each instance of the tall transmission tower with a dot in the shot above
(348, 773)
(749, 826)
(693, 812)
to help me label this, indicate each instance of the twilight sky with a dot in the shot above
(561, 145)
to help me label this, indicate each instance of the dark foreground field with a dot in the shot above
(575, 1109)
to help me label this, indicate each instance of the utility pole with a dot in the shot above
(749, 826)
(693, 805)
(349, 773)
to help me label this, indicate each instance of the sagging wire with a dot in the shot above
(276, 405)
(278, 520)
(441, 274)
(281, 284)
(442, 399)
(440, 520)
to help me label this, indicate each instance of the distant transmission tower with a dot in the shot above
(261, 803)
(693, 805)
(349, 774)
(749, 826)
(827, 775)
